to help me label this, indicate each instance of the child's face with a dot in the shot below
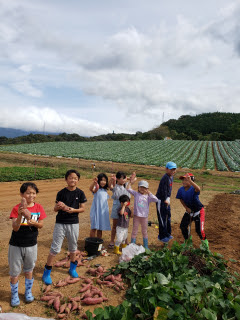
(142, 190)
(30, 195)
(122, 181)
(186, 183)
(103, 182)
(72, 180)
(170, 172)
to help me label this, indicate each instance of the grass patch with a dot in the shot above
(29, 173)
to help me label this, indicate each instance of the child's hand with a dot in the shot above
(60, 205)
(113, 178)
(133, 178)
(95, 180)
(70, 210)
(31, 223)
(188, 177)
(188, 210)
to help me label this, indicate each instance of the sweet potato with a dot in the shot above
(46, 298)
(73, 280)
(99, 282)
(92, 301)
(74, 305)
(56, 304)
(85, 288)
(67, 264)
(96, 292)
(100, 269)
(60, 263)
(86, 294)
(88, 280)
(116, 288)
(47, 288)
(50, 302)
(77, 299)
(110, 278)
(61, 283)
(62, 308)
(54, 293)
(80, 263)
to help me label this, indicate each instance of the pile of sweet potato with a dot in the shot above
(89, 292)
(65, 262)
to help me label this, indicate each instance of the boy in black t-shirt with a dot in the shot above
(69, 203)
(124, 214)
(27, 217)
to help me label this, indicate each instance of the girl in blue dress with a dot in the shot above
(99, 213)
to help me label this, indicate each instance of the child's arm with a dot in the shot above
(112, 182)
(94, 186)
(152, 198)
(186, 208)
(195, 186)
(123, 208)
(16, 222)
(133, 178)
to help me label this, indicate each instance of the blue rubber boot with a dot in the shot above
(133, 240)
(46, 278)
(28, 290)
(145, 243)
(14, 295)
(72, 271)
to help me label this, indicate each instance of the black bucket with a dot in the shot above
(93, 246)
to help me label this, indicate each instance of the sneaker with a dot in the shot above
(165, 240)
(170, 237)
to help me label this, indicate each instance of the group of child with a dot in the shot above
(27, 217)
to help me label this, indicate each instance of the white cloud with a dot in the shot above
(133, 62)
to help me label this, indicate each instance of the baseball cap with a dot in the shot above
(143, 183)
(171, 165)
(187, 174)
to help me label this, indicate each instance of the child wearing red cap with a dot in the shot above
(189, 198)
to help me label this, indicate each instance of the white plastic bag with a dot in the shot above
(19, 316)
(130, 251)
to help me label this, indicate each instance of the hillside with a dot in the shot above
(205, 126)
(216, 126)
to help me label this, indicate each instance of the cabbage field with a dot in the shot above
(210, 155)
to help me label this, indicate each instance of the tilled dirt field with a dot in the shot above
(222, 230)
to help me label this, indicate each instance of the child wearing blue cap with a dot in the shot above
(163, 205)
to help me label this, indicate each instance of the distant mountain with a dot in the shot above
(13, 133)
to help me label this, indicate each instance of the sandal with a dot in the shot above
(111, 246)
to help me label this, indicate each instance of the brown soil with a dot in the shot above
(222, 230)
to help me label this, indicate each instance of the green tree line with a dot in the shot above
(217, 126)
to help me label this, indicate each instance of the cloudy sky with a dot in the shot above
(91, 67)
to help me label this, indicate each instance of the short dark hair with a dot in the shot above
(99, 177)
(72, 171)
(25, 185)
(120, 174)
(124, 198)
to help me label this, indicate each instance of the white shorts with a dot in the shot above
(121, 235)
